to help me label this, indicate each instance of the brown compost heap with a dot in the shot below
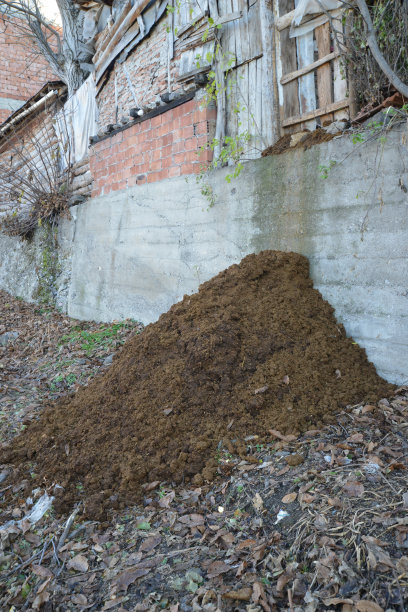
(256, 348)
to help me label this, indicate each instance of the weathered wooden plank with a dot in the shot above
(237, 33)
(109, 32)
(252, 118)
(330, 108)
(261, 138)
(289, 100)
(285, 20)
(245, 32)
(125, 24)
(191, 24)
(339, 71)
(306, 84)
(287, 78)
(270, 119)
(323, 73)
(105, 60)
(255, 30)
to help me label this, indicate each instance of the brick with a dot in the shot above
(189, 168)
(191, 144)
(153, 177)
(167, 162)
(179, 158)
(174, 171)
(201, 128)
(156, 165)
(156, 121)
(191, 156)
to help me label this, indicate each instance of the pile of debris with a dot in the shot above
(257, 349)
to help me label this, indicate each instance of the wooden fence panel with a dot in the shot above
(311, 80)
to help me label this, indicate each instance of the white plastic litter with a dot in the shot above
(35, 514)
(39, 509)
(76, 122)
(281, 515)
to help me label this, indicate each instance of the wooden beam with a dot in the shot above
(122, 29)
(323, 73)
(330, 108)
(291, 76)
(107, 32)
(284, 21)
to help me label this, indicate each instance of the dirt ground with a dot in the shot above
(256, 349)
(298, 523)
(309, 140)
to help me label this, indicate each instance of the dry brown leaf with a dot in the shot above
(192, 520)
(149, 486)
(353, 488)
(283, 471)
(396, 465)
(40, 600)
(258, 596)
(241, 569)
(368, 606)
(246, 544)
(257, 502)
(165, 501)
(243, 594)
(277, 434)
(283, 581)
(79, 599)
(402, 565)
(78, 563)
(41, 571)
(289, 498)
(150, 543)
(334, 501)
(378, 559)
(367, 408)
(335, 601)
(356, 438)
(259, 553)
(127, 577)
(306, 498)
(43, 586)
(216, 568)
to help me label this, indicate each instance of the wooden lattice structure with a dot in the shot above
(311, 78)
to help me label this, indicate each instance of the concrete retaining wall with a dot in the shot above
(136, 252)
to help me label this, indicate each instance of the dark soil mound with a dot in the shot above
(256, 348)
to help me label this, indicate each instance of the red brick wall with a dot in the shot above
(23, 71)
(162, 147)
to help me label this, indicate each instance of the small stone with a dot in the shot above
(108, 360)
(296, 138)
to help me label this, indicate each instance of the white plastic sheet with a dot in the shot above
(305, 8)
(76, 122)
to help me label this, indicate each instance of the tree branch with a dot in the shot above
(375, 50)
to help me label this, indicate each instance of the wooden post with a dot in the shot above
(324, 79)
